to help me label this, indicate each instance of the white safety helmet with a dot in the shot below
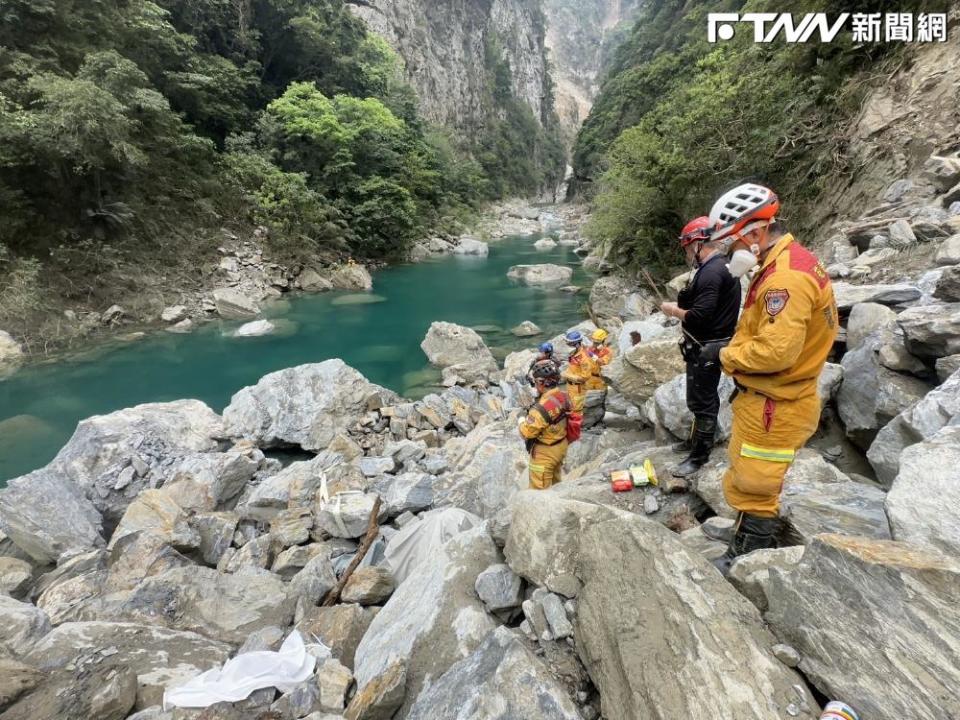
(741, 210)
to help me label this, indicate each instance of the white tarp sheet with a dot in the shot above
(240, 676)
(422, 538)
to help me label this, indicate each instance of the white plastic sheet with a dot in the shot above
(240, 676)
(422, 538)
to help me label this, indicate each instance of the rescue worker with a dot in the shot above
(707, 308)
(545, 427)
(602, 355)
(788, 326)
(544, 352)
(579, 369)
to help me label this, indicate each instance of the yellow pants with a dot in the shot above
(766, 435)
(578, 395)
(546, 464)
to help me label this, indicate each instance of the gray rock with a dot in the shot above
(487, 467)
(650, 504)
(310, 280)
(16, 678)
(15, 577)
(499, 587)
(305, 406)
(216, 531)
(894, 356)
(159, 658)
(105, 692)
(297, 485)
(897, 190)
(182, 327)
(750, 574)
(901, 234)
(452, 346)
(608, 297)
(695, 539)
(537, 619)
(433, 619)
(292, 560)
(257, 554)
(849, 508)
(501, 679)
(347, 515)
(947, 366)
(409, 492)
(848, 295)
(543, 275)
(70, 566)
(920, 422)
(369, 586)
(291, 527)
(373, 466)
(948, 286)
(866, 319)
(153, 511)
(46, 515)
(470, 246)
(640, 370)
(670, 404)
(350, 277)
(173, 314)
(864, 615)
(526, 329)
(545, 244)
(871, 395)
(232, 304)
(924, 488)
(340, 628)
(942, 171)
(257, 328)
(205, 481)
(786, 654)
(315, 580)
(334, 681)
(931, 331)
(268, 638)
(695, 624)
(380, 698)
(949, 251)
(298, 702)
(556, 616)
(21, 626)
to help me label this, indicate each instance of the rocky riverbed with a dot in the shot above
(166, 538)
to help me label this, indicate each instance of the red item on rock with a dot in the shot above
(622, 485)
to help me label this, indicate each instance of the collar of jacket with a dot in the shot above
(775, 251)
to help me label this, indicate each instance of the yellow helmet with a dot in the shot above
(599, 335)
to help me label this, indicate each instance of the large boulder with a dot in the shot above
(501, 679)
(305, 406)
(871, 395)
(640, 370)
(46, 515)
(155, 512)
(340, 628)
(433, 620)
(924, 490)
(547, 274)
(607, 297)
(875, 622)
(848, 295)
(470, 246)
(232, 304)
(706, 638)
(919, 422)
(350, 277)
(16, 678)
(931, 331)
(105, 692)
(459, 348)
(670, 406)
(21, 626)
(486, 468)
(205, 481)
(160, 658)
(297, 484)
(114, 457)
(866, 319)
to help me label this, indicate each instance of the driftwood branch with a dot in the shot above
(373, 529)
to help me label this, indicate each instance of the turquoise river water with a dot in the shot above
(378, 333)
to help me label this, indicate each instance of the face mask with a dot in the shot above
(741, 262)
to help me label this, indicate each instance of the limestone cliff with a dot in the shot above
(450, 49)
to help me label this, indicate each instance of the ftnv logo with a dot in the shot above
(818, 27)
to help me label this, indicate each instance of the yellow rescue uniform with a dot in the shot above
(580, 368)
(545, 429)
(602, 356)
(787, 329)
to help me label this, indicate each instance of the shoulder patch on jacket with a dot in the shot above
(776, 301)
(805, 261)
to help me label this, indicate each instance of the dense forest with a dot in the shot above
(678, 120)
(132, 131)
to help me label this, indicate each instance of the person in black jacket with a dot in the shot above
(708, 308)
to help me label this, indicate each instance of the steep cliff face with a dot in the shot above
(580, 36)
(451, 49)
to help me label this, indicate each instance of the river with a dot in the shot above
(378, 333)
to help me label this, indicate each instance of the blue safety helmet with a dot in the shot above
(547, 348)
(574, 337)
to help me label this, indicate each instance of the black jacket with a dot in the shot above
(712, 301)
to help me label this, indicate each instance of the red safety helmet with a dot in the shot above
(697, 230)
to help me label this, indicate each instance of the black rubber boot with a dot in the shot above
(750, 533)
(686, 445)
(724, 535)
(705, 430)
